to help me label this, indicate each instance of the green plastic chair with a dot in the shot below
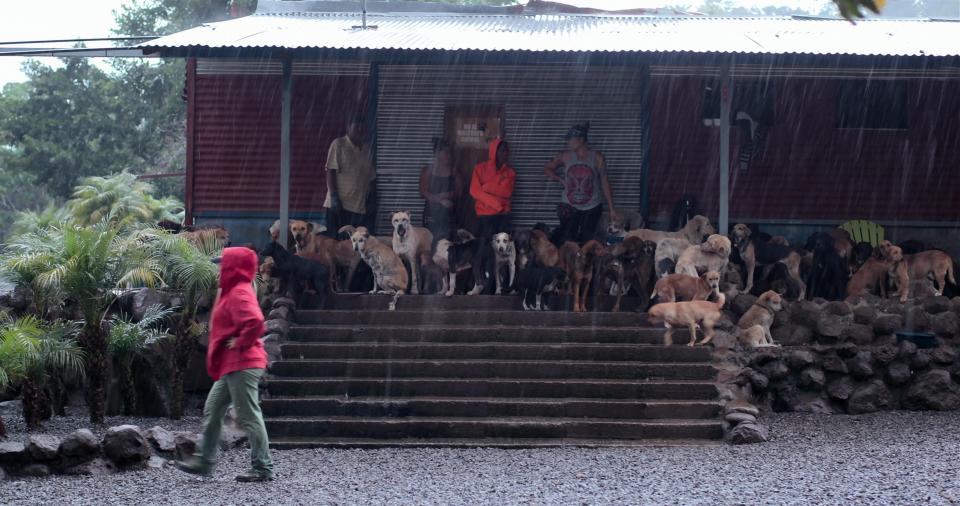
(864, 231)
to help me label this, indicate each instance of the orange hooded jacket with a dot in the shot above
(492, 188)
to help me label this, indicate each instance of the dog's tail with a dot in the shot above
(950, 277)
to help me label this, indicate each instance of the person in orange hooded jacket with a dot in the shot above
(235, 361)
(492, 188)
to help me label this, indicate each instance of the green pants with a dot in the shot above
(241, 387)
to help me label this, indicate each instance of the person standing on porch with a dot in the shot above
(491, 186)
(583, 173)
(441, 188)
(235, 361)
(351, 176)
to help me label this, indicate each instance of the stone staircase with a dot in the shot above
(476, 371)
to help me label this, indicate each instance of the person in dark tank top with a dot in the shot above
(441, 188)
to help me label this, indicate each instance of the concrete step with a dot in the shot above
(488, 407)
(290, 443)
(366, 302)
(509, 427)
(496, 351)
(476, 334)
(491, 387)
(469, 318)
(552, 369)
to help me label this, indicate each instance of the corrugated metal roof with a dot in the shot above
(573, 33)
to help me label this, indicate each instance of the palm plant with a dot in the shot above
(31, 221)
(124, 199)
(86, 266)
(127, 340)
(186, 268)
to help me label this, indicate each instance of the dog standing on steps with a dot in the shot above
(389, 274)
(455, 256)
(692, 314)
(412, 244)
(505, 254)
(533, 282)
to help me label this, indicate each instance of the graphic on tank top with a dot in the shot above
(580, 181)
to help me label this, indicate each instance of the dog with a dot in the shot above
(829, 272)
(271, 283)
(694, 231)
(712, 255)
(452, 257)
(205, 236)
(521, 241)
(874, 272)
(932, 263)
(683, 287)
(755, 323)
(667, 254)
(628, 220)
(505, 254)
(334, 253)
(412, 244)
(533, 282)
(389, 274)
(275, 234)
(545, 253)
(754, 252)
(639, 273)
(842, 243)
(293, 271)
(581, 270)
(691, 314)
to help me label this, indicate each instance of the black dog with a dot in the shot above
(829, 273)
(293, 271)
(521, 239)
(533, 282)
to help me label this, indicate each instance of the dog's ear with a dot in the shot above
(309, 226)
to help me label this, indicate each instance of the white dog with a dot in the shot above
(411, 244)
(505, 252)
(389, 276)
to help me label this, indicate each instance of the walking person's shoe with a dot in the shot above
(253, 475)
(195, 465)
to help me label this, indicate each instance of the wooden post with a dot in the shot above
(726, 100)
(286, 99)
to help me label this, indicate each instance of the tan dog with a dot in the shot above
(776, 252)
(585, 263)
(842, 243)
(692, 314)
(875, 271)
(545, 253)
(712, 255)
(694, 231)
(411, 244)
(211, 235)
(684, 287)
(933, 263)
(755, 323)
(389, 274)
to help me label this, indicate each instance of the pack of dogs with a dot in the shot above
(682, 277)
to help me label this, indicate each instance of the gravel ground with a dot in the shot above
(884, 459)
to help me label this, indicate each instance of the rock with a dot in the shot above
(936, 305)
(43, 447)
(742, 303)
(840, 388)
(186, 443)
(760, 356)
(231, 437)
(271, 345)
(279, 313)
(833, 363)
(838, 308)
(799, 359)
(885, 354)
(869, 398)
(864, 315)
(887, 324)
(156, 462)
(781, 318)
(846, 350)
(812, 403)
(955, 304)
(805, 313)
(812, 378)
(943, 355)
(721, 339)
(946, 324)
(898, 373)
(96, 467)
(758, 380)
(161, 439)
(748, 433)
(3, 475)
(11, 408)
(735, 418)
(15, 296)
(741, 407)
(890, 306)
(933, 390)
(281, 327)
(860, 366)
(775, 370)
(916, 319)
(13, 453)
(285, 302)
(792, 335)
(79, 446)
(144, 298)
(125, 446)
(833, 325)
(907, 349)
(35, 470)
(920, 360)
(859, 333)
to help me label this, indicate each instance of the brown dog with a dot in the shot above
(582, 267)
(545, 253)
(875, 271)
(630, 264)
(330, 252)
(755, 323)
(685, 287)
(933, 263)
(694, 231)
(208, 235)
(692, 314)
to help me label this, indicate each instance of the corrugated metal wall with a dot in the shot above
(540, 102)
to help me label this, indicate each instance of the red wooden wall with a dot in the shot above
(236, 139)
(809, 169)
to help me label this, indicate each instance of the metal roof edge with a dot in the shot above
(375, 7)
